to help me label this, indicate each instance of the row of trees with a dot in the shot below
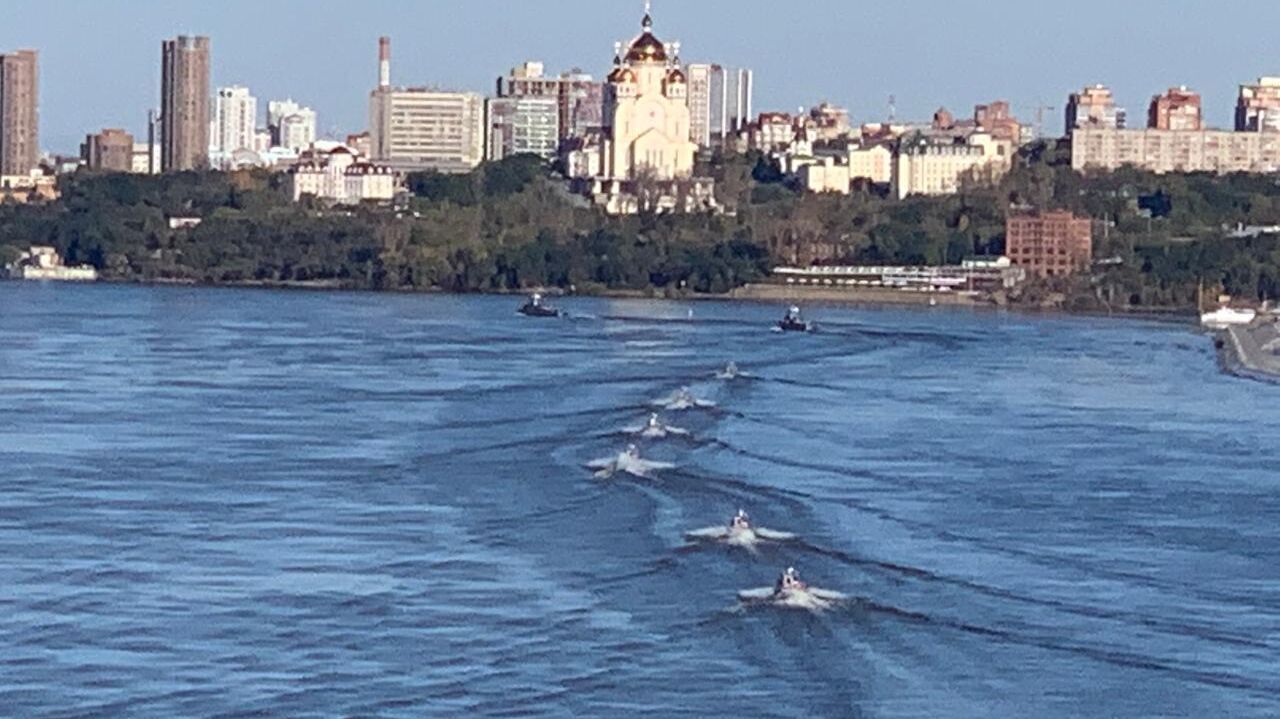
(508, 225)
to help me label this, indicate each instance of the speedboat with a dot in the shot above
(730, 372)
(740, 532)
(790, 592)
(654, 428)
(683, 399)
(629, 462)
(792, 322)
(535, 308)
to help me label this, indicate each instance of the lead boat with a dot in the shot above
(792, 322)
(534, 308)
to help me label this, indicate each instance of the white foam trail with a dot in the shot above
(748, 538)
(811, 599)
(627, 463)
(681, 400)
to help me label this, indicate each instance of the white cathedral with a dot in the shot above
(646, 135)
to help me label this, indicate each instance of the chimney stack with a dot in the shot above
(384, 61)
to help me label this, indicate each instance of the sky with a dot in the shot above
(100, 59)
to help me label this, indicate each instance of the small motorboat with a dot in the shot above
(740, 532)
(535, 308)
(792, 322)
(791, 592)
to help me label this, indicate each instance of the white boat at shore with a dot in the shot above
(1225, 317)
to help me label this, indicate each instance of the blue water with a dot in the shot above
(224, 503)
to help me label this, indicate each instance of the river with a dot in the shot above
(219, 502)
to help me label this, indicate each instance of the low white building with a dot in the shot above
(825, 175)
(44, 263)
(339, 176)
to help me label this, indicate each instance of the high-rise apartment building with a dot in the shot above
(1093, 106)
(1177, 109)
(110, 150)
(19, 114)
(1049, 244)
(291, 125)
(1258, 106)
(422, 129)
(523, 126)
(235, 119)
(699, 78)
(184, 103)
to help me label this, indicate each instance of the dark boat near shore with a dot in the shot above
(534, 308)
(792, 322)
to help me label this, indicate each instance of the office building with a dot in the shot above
(731, 101)
(19, 113)
(423, 129)
(110, 150)
(1049, 244)
(184, 103)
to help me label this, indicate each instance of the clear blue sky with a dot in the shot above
(100, 58)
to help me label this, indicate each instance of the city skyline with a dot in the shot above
(91, 79)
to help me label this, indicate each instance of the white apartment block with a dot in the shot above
(235, 119)
(292, 126)
(1163, 151)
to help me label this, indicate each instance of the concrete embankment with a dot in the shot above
(852, 295)
(1252, 351)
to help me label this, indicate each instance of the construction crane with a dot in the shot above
(1040, 110)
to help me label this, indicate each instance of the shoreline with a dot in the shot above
(763, 293)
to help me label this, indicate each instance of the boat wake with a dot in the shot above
(627, 462)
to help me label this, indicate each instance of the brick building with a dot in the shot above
(1049, 244)
(108, 151)
(19, 114)
(1176, 109)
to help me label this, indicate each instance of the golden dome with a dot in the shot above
(676, 76)
(622, 74)
(647, 48)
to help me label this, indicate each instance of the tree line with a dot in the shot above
(511, 225)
